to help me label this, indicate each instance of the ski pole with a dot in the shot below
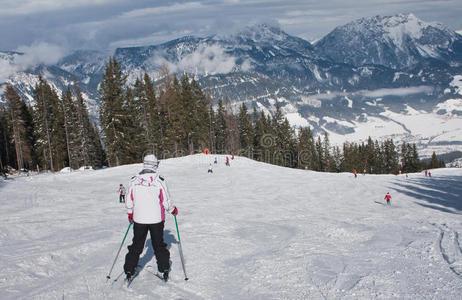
(110, 271)
(181, 251)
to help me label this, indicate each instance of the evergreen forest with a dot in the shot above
(172, 117)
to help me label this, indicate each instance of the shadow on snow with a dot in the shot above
(440, 193)
(169, 239)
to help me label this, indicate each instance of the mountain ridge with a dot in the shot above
(335, 85)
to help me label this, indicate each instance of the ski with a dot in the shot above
(163, 277)
(129, 281)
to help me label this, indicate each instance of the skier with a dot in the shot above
(215, 161)
(210, 169)
(148, 199)
(232, 155)
(356, 173)
(429, 174)
(121, 193)
(426, 172)
(227, 161)
(388, 198)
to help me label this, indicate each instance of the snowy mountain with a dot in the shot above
(245, 234)
(385, 77)
(398, 42)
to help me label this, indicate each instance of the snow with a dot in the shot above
(249, 231)
(295, 119)
(450, 105)
(430, 131)
(350, 102)
(457, 84)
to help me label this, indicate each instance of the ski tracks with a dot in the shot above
(450, 248)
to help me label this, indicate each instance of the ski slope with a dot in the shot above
(248, 231)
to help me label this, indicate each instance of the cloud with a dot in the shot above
(39, 53)
(316, 100)
(207, 59)
(6, 70)
(29, 56)
(27, 7)
(398, 91)
(162, 10)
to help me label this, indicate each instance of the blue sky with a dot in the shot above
(107, 24)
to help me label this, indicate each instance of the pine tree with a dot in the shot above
(371, 157)
(90, 141)
(329, 165)
(337, 159)
(112, 114)
(320, 162)
(71, 129)
(435, 162)
(155, 118)
(279, 150)
(390, 156)
(259, 122)
(379, 166)
(220, 129)
(212, 122)
(49, 130)
(306, 149)
(20, 124)
(201, 105)
(175, 132)
(232, 132)
(7, 152)
(133, 130)
(245, 128)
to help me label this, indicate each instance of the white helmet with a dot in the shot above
(150, 162)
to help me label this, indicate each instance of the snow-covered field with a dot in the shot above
(430, 131)
(249, 231)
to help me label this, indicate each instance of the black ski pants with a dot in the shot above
(140, 231)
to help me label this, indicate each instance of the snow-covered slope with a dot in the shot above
(248, 231)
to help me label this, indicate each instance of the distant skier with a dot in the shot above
(215, 161)
(227, 161)
(426, 173)
(388, 198)
(121, 193)
(210, 169)
(232, 155)
(147, 201)
(356, 173)
(429, 174)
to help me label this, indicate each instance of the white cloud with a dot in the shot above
(27, 7)
(162, 10)
(398, 91)
(39, 53)
(205, 60)
(6, 70)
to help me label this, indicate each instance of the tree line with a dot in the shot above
(54, 133)
(172, 117)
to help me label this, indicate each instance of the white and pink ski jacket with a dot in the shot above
(148, 198)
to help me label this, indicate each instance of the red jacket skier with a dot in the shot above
(388, 198)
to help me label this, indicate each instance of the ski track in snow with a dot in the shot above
(249, 231)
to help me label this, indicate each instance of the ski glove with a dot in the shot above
(175, 211)
(130, 218)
